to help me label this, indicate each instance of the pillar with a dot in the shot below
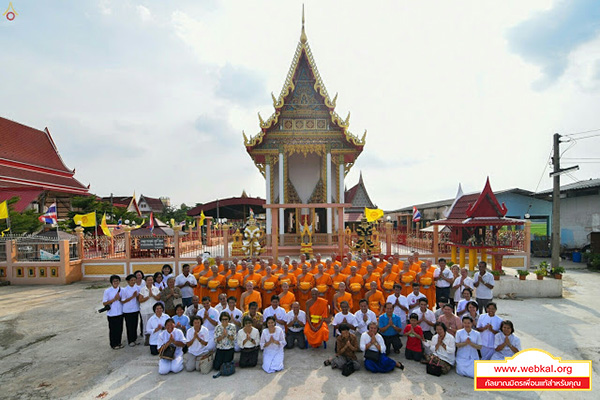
(494, 258)
(268, 196)
(65, 260)
(208, 223)
(80, 244)
(461, 252)
(436, 239)
(176, 236)
(453, 253)
(225, 229)
(274, 236)
(484, 255)
(328, 194)
(341, 231)
(388, 238)
(527, 244)
(281, 196)
(472, 259)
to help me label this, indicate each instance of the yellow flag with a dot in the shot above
(373, 214)
(172, 223)
(3, 210)
(140, 225)
(104, 226)
(202, 218)
(193, 225)
(85, 220)
(5, 231)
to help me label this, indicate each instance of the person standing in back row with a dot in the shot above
(484, 283)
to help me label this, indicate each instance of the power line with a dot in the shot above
(543, 171)
(581, 133)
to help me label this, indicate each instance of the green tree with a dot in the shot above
(25, 222)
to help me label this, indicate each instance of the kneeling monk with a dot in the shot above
(317, 329)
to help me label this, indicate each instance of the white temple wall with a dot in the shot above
(304, 173)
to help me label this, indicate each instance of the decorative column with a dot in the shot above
(484, 255)
(436, 240)
(268, 197)
(281, 196)
(388, 238)
(527, 244)
(472, 259)
(329, 220)
(461, 257)
(453, 253)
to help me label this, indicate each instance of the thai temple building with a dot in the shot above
(304, 151)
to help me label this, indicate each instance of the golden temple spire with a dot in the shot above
(303, 37)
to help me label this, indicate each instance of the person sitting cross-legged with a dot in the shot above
(347, 346)
(376, 360)
(316, 329)
(171, 336)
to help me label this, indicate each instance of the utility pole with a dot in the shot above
(556, 203)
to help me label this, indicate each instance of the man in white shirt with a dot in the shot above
(234, 312)
(186, 282)
(413, 298)
(399, 302)
(275, 311)
(222, 303)
(426, 319)
(295, 320)
(364, 317)
(344, 317)
(193, 309)
(209, 315)
(443, 280)
(484, 283)
(462, 282)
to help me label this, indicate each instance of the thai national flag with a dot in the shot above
(151, 223)
(120, 223)
(416, 214)
(50, 217)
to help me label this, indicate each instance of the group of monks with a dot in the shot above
(336, 279)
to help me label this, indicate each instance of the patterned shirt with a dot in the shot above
(229, 340)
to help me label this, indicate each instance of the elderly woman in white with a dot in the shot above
(442, 347)
(468, 341)
(148, 296)
(272, 342)
(507, 344)
(155, 325)
(171, 336)
(372, 342)
(248, 340)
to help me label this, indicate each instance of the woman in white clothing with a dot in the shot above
(111, 301)
(442, 347)
(272, 343)
(488, 325)
(159, 282)
(372, 342)
(148, 296)
(248, 340)
(507, 344)
(171, 336)
(468, 341)
(200, 347)
(155, 325)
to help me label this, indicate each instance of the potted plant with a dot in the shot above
(557, 272)
(496, 274)
(522, 274)
(540, 273)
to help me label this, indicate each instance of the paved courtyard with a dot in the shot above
(54, 345)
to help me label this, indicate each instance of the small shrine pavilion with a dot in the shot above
(304, 151)
(475, 222)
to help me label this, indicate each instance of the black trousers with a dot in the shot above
(413, 355)
(292, 337)
(222, 356)
(427, 335)
(249, 357)
(141, 324)
(115, 330)
(441, 292)
(131, 321)
(392, 340)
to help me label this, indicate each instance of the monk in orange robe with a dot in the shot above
(345, 267)
(375, 299)
(410, 277)
(313, 267)
(371, 276)
(429, 289)
(316, 329)
(357, 295)
(304, 294)
(364, 264)
(286, 297)
(339, 296)
(234, 275)
(252, 276)
(334, 259)
(219, 263)
(215, 291)
(288, 277)
(319, 260)
(321, 278)
(328, 269)
(351, 261)
(415, 262)
(249, 296)
(381, 265)
(261, 269)
(268, 293)
(296, 269)
(388, 280)
(201, 270)
(337, 277)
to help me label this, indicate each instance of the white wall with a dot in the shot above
(578, 217)
(304, 173)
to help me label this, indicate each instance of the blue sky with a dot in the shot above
(153, 96)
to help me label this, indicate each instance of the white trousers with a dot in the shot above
(166, 366)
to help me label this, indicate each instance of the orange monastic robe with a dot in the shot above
(214, 293)
(291, 280)
(373, 278)
(429, 292)
(303, 296)
(254, 277)
(286, 300)
(391, 277)
(362, 270)
(267, 294)
(345, 297)
(316, 313)
(199, 290)
(236, 292)
(376, 302)
(336, 279)
(254, 296)
(356, 296)
(380, 267)
(406, 286)
(416, 267)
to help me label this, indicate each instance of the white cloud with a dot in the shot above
(144, 13)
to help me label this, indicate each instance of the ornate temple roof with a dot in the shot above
(304, 108)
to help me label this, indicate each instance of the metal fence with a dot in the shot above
(103, 247)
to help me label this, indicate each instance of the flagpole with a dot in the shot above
(8, 220)
(57, 234)
(96, 230)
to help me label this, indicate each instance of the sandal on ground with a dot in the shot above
(326, 363)
(401, 366)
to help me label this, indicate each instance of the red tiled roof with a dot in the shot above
(222, 203)
(155, 205)
(30, 146)
(25, 197)
(460, 208)
(14, 175)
